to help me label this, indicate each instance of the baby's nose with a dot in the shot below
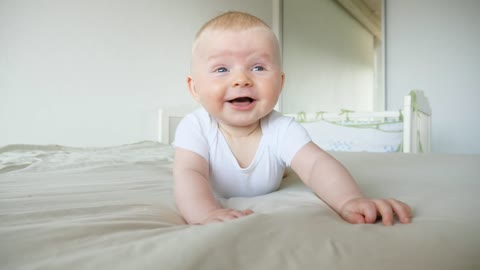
(242, 80)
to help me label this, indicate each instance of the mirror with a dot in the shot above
(332, 55)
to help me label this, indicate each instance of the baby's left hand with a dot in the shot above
(361, 211)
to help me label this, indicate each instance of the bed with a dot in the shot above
(112, 208)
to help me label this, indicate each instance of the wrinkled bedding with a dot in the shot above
(112, 208)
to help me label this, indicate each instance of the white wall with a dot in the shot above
(94, 73)
(434, 45)
(328, 58)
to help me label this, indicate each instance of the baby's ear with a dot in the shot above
(191, 87)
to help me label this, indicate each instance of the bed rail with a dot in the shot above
(415, 115)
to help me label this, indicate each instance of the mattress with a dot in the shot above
(113, 208)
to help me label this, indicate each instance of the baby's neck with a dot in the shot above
(239, 132)
(243, 141)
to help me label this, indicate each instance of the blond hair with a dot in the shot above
(232, 20)
(235, 21)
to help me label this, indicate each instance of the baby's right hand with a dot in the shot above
(223, 214)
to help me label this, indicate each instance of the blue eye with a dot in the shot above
(257, 68)
(221, 70)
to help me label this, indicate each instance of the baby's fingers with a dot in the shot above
(369, 210)
(403, 211)
(354, 218)
(233, 214)
(359, 211)
(385, 211)
(247, 212)
(222, 215)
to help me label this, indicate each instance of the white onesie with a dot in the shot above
(282, 137)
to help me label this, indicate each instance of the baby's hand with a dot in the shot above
(360, 211)
(223, 214)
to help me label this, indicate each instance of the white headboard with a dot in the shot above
(168, 120)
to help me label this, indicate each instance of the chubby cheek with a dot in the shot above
(211, 96)
(271, 96)
(211, 101)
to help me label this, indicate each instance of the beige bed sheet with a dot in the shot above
(112, 208)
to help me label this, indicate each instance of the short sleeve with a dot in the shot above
(191, 135)
(292, 139)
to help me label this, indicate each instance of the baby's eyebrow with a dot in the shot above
(264, 59)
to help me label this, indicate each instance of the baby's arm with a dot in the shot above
(329, 179)
(193, 195)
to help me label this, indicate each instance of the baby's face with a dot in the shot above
(236, 75)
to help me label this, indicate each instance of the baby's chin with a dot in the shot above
(240, 122)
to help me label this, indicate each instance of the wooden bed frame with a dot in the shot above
(416, 115)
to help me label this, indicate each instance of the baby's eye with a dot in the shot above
(257, 68)
(221, 70)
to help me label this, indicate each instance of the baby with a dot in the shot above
(238, 145)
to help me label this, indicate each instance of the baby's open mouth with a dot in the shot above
(242, 100)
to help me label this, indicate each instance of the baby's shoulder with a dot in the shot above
(198, 122)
